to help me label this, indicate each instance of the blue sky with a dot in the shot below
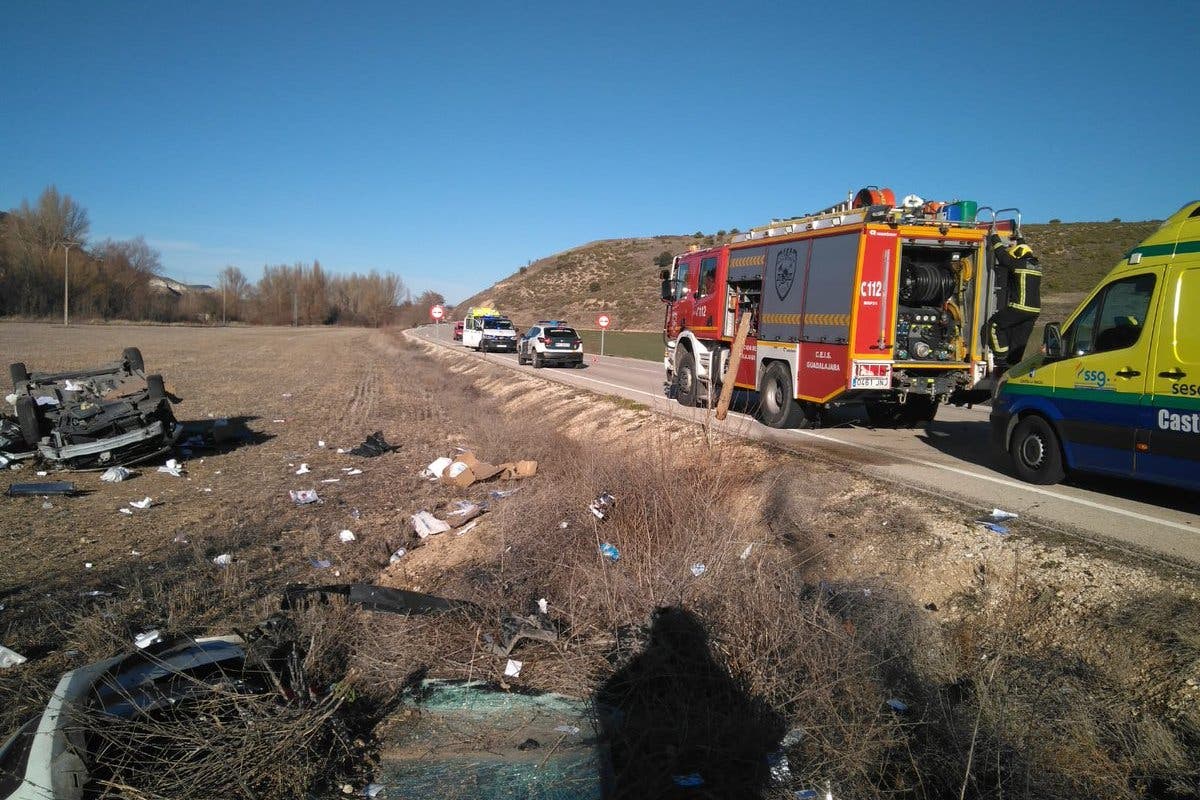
(453, 142)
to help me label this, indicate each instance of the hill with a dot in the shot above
(620, 278)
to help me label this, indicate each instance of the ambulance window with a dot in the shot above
(1078, 337)
(1126, 304)
(1187, 332)
(708, 275)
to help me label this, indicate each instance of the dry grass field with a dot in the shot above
(1023, 668)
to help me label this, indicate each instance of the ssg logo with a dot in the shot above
(1090, 378)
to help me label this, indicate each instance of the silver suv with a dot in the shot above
(550, 342)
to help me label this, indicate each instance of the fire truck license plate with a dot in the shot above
(871, 375)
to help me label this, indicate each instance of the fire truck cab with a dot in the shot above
(866, 301)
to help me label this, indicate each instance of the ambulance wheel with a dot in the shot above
(777, 407)
(1036, 454)
(686, 388)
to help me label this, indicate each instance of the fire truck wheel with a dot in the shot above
(777, 407)
(918, 410)
(1036, 454)
(686, 390)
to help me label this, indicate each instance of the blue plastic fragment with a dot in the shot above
(321, 563)
(610, 551)
(993, 527)
(806, 794)
(689, 780)
(898, 706)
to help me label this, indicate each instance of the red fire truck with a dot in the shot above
(866, 301)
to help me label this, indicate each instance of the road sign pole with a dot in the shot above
(602, 341)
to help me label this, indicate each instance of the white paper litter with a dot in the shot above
(223, 560)
(570, 730)
(698, 569)
(303, 497)
(436, 468)
(513, 668)
(303, 469)
(1000, 514)
(342, 450)
(147, 638)
(172, 467)
(116, 474)
(746, 553)
(45, 400)
(543, 606)
(87, 565)
(456, 469)
(320, 442)
(331, 480)
(10, 658)
(466, 527)
(426, 524)
(355, 472)
(563, 524)
(41, 473)
(143, 504)
(126, 511)
(396, 556)
(346, 536)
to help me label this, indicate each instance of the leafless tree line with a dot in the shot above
(123, 280)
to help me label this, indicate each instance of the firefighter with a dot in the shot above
(1018, 271)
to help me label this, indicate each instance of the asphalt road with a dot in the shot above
(952, 457)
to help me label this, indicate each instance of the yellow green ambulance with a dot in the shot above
(1117, 388)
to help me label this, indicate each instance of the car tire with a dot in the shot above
(520, 358)
(777, 408)
(537, 360)
(686, 387)
(1036, 453)
(19, 375)
(579, 364)
(133, 358)
(27, 420)
(155, 388)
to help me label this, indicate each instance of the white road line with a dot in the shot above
(1027, 487)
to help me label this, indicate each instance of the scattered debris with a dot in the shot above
(570, 730)
(172, 467)
(50, 487)
(994, 527)
(374, 445)
(180, 538)
(528, 744)
(462, 511)
(303, 469)
(10, 658)
(897, 705)
(117, 474)
(746, 553)
(426, 524)
(513, 668)
(303, 497)
(691, 780)
(603, 503)
(999, 515)
(223, 560)
(543, 606)
(331, 480)
(610, 551)
(320, 442)
(321, 563)
(514, 629)
(126, 511)
(346, 536)
(396, 556)
(500, 494)
(87, 565)
(466, 528)
(142, 504)
(563, 525)
(436, 468)
(354, 472)
(47, 505)
(375, 598)
(147, 638)
(698, 569)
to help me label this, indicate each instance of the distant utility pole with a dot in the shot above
(295, 311)
(66, 246)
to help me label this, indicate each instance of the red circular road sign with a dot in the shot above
(437, 312)
(603, 320)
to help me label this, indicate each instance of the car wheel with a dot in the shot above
(776, 405)
(521, 358)
(20, 375)
(537, 360)
(27, 419)
(155, 387)
(1036, 453)
(579, 364)
(133, 358)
